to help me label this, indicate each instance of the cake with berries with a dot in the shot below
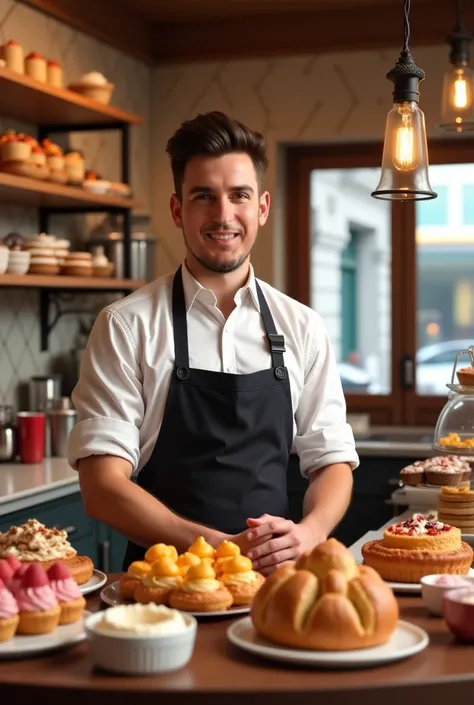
(416, 547)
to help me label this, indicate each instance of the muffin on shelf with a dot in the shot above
(55, 161)
(36, 67)
(54, 73)
(14, 56)
(75, 167)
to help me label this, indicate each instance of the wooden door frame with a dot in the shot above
(401, 406)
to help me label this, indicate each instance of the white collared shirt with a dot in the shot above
(127, 365)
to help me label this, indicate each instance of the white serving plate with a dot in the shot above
(96, 581)
(23, 645)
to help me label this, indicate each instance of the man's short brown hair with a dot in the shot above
(214, 135)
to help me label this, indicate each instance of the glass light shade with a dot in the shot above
(405, 156)
(458, 99)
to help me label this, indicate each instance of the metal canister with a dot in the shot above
(62, 420)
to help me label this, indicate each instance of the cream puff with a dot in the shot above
(185, 561)
(158, 583)
(158, 550)
(200, 591)
(224, 552)
(201, 548)
(134, 575)
(242, 582)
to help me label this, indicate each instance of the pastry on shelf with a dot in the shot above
(456, 507)
(33, 542)
(185, 561)
(9, 613)
(161, 579)
(54, 73)
(14, 56)
(36, 67)
(94, 183)
(67, 593)
(101, 266)
(40, 169)
(160, 549)
(15, 151)
(241, 580)
(225, 551)
(38, 607)
(326, 602)
(74, 165)
(134, 575)
(95, 86)
(201, 591)
(42, 256)
(201, 548)
(416, 547)
(55, 161)
(77, 264)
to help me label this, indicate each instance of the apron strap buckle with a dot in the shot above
(277, 342)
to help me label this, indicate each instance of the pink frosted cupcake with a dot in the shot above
(6, 572)
(37, 603)
(15, 581)
(67, 593)
(9, 617)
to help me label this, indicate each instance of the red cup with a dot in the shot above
(31, 427)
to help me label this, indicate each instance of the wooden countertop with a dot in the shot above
(219, 674)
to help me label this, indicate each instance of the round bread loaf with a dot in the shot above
(325, 601)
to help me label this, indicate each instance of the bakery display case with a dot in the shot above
(454, 431)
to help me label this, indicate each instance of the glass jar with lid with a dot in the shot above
(454, 432)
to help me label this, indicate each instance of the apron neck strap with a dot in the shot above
(180, 328)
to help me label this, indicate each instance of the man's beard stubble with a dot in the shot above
(215, 266)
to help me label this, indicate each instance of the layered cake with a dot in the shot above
(416, 547)
(456, 507)
(441, 470)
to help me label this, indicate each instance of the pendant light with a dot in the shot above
(457, 113)
(405, 152)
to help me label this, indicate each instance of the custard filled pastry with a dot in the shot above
(134, 575)
(224, 552)
(185, 561)
(200, 591)
(242, 582)
(162, 578)
(201, 548)
(158, 550)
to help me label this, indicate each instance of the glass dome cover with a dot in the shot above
(454, 432)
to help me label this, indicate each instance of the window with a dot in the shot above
(393, 281)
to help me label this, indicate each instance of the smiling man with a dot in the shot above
(201, 383)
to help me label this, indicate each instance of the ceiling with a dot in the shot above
(177, 31)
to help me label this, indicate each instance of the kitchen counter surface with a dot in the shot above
(219, 673)
(22, 486)
(396, 442)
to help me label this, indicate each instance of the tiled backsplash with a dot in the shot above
(20, 355)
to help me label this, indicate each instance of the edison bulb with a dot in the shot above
(460, 91)
(405, 152)
(458, 99)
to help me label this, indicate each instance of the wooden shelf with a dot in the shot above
(33, 102)
(35, 193)
(61, 282)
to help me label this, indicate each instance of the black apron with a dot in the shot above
(222, 452)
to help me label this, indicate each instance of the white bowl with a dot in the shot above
(18, 262)
(432, 594)
(140, 655)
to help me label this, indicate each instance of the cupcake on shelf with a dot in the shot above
(225, 552)
(201, 548)
(40, 169)
(38, 607)
(156, 586)
(185, 561)
(134, 575)
(14, 56)
(54, 73)
(36, 67)
(95, 86)
(15, 152)
(241, 580)
(161, 549)
(55, 161)
(75, 167)
(77, 264)
(9, 613)
(201, 591)
(67, 593)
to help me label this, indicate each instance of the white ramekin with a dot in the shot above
(4, 255)
(18, 262)
(140, 655)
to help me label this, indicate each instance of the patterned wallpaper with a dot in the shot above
(20, 355)
(318, 98)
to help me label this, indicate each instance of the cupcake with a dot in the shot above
(241, 580)
(201, 548)
(185, 561)
(18, 573)
(37, 603)
(75, 167)
(35, 66)
(67, 593)
(444, 470)
(15, 147)
(413, 475)
(9, 617)
(14, 56)
(54, 73)
(160, 549)
(6, 572)
(157, 584)
(134, 575)
(54, 160)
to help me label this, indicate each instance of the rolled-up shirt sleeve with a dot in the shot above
(108, 396)
(323, 436)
